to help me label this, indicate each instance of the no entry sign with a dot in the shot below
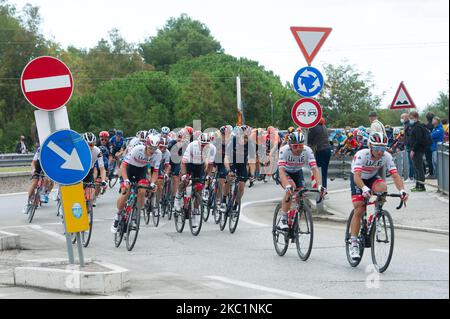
(47, 83)
(306, 113)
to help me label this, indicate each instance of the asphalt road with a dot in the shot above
(166, 264)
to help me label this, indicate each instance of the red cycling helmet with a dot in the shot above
(104, 134)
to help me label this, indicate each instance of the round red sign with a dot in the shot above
(47, 83)
(306, 113)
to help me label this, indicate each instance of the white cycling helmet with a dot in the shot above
(378, 139)
(152, 141)
(204, 138)
(89, 138)
(142, 135)
(165, 130)
(152, 131)
(164, 142)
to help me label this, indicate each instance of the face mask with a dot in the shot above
(412, 121)
(402, 121)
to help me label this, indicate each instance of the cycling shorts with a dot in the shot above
(357, 192)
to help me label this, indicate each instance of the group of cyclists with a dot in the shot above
(154, 156)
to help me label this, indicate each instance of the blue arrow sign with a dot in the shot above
(308, 81)
(65, 157)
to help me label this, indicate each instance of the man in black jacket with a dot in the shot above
(404, 119)
(418, 148)
(428, 153)
(318, 141)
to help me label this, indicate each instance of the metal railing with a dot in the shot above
(10, 160)
(442, 167)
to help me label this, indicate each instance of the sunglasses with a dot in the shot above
(104, 139)
(152, 148)
(297, 145)
(379, 148)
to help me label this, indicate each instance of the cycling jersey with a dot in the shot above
(294, 163)
(195, 155)
(117, 144)
(96, 157)
(135, 141)
(363, 162)
(240, 153)
(165, 161)
(138, 158)
(105, 154)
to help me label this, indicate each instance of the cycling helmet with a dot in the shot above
(112, 132)
(89, 138)
(103, 134)
(350, 135)
(142, 135)
(165, 130)
(290, 130)
(181, 133)
(152, 131)
(378, 139)
(360, 133)
(119, 132)
(152, 141)
(296, 138)
(189, 130)
(204, 138)
(299, 130)
(164, 142)
(396, 131)
(223, 129)
(362, 128)
(338, 132)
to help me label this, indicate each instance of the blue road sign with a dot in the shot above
(65, 157)
(308, 81)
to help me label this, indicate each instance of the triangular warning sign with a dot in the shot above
(402, 100)
(310, 40)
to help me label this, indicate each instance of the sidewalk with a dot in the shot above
(428, 210)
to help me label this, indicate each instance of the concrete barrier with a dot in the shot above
(9, 241)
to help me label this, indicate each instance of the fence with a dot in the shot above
(10, 160)
(442, 167)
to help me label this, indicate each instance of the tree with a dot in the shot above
(439, 106)
(181, 38)
(347, 96)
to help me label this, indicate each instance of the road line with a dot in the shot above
(247, 220)
(262, 288)
(13, 194)
(48, 232)
(445, 251)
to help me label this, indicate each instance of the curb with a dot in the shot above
(14, 174)
(9, 241)
(72, 279)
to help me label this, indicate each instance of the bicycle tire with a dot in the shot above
(118, 236)
(276, 234)
(215, 211)
(147, 211)
(306, 216)
(224, 215)
(32, 207)
(382, 217)
(133, 223)
(113, 181)
(86, 235)
(234, 216)
(351, 261)
(155, 209)
(194, 230)
(170, 209)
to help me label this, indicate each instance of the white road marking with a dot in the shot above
(250, 221)
(445, 251)
(48, 232)
(262, 288)
(47, 83)
(13, 194)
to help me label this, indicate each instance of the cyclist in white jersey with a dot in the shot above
(134, 168)
(96, 156)
(364, 179)
(164, 167)
(197, 159)
(140, 138)
(292, 158)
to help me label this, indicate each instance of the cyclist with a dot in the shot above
(164, 167)
(362, 140)
(104, 148)
(198, 159)
(189, 133)
(239, 153)
(140, 138)
(337, 139)
(117, 143)
(96, 158)
(273, 143)
(177, 148)
(292, 158)
(364, 179)
(36, 170)
(349, 146)
(134, 169)
(165, 132)
(221, 145)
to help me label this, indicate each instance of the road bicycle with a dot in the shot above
(129, 219)
(191, 208)
(233, 207)
(151, 208)
(35, 199)
(300, 226)
(376, 233)
(167, 198)
(210, 204)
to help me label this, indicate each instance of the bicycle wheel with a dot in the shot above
(169, 208)
(147, 211)
(348, 243)
(155, 209)
(280, 238)
(234, 214)
(224, 215)
(32, 207)
(195, 218)
(120, 231)
(215, 210)
(59, 209)
(304, 233)
(180, 219)
(86, 235)
(382, 238)
(133, 228)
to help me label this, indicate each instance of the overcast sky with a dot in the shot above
(397, 40)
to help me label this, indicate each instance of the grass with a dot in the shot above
(15, 169)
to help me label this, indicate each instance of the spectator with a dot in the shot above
(445, 126)
(21, 147)
(390, 135)
(418, 148)
(376, 126)
(438, 137)
(318, 141)
(404, 119)
(428, 154)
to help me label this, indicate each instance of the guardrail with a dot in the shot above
(10, 160)
(442, 167)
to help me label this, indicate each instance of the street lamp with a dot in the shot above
(271, 105)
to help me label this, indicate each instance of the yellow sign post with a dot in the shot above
(75, 212)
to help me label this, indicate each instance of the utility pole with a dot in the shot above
(271, 105)
(239, 103)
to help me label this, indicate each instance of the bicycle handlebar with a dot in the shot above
(386, 194)
(303, 191)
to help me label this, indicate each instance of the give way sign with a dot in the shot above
(47, 83)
